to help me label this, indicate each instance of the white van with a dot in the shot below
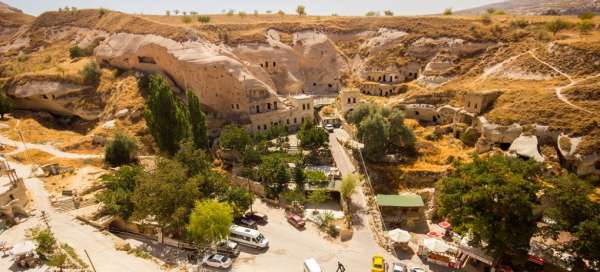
(249, 237)
(311, 265)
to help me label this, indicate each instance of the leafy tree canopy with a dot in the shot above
(235, 138)
(209, 222)
(119, 191)
(492, 200)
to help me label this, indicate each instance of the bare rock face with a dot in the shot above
(584, 164)
(483, 145)
(498, 133)
(526, 146)
(58, 97)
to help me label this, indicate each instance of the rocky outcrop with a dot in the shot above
(583, 164)
(498, 133)
(526, 146)
(57, 97)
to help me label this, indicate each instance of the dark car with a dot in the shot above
(258, 217)
(296, 221)
(247, 222)
(229, 248)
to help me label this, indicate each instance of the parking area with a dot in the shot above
(289, 247)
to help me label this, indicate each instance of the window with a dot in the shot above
(295, 121)
(287, 121)
(354, 100)
(302, 119)
(416, 113)
(469, 104)
(237, 106)
(261, 65)
(232, 106)
(268, 106)
(475, 106)
(314, 84)
(275, 104)
(330, 85)
(303, 107)
(349, 100)
(257, 109)
(265, 127)
(266, 64)
(258, 127)
(274, 64)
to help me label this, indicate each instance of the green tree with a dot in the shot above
(186, 19)
(120, 150)
(360, 113)
(239, 199)
(281, 13)
(6, 105)
(318, 196)
(400, 136)
(117, 197)
(203, 18)
(91, 73)
(242, 14)
(348, 186)
(212, 184)
(312, 137)
(556, 26)
(572, 209)
(275, 174)
(46, 243)
(388, 13)
(493, 201)
(165, 116)
(234, 137)
(371, 14)
(372, 133)
(195, 160)
(251, 157)
(197, 121)
(299, 176)
(301, 10)
(448, 12)
(209, 222)
(166, 194)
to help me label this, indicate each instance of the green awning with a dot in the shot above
(403, 201)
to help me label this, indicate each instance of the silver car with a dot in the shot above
(217, 261)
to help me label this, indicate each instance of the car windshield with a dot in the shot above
(260, 238)
(378, 266)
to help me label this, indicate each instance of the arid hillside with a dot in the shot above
(544, 77)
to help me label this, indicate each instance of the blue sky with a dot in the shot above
(315, 7)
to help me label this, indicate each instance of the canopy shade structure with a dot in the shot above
(23, 248)
(403, 201)
(435, 245)
(399, 235)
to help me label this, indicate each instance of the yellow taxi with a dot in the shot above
(378, 264)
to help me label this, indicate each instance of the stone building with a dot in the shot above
(347, 100)
(479, 102)
(421, 112)
(13, 193)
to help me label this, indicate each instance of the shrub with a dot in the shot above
(491, 10)
(388, 13)
(334, 14)
(121, 150)
(76, 52)
(448, 11)
(186, 19)
(203, 18)
(295, 195)
(280, 13)
(103, 11)
(230, 12)
(586, 15)
(556, 26)
(519, 23)
(371, 13)
(318, 196)
(315, 176)
(242, 14)
(91, 73)
(585, 26)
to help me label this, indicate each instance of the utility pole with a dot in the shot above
(89, 259)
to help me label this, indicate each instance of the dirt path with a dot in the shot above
(20, 147)
(558, 90)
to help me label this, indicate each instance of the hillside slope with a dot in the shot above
(538, 7)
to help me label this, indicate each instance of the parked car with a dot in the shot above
(247, 222)
(329, 128)
(398, 267)
(378, 264)
(249, 237)
(229, 248)
(417, 269)
(258, 217)
(311, 265)
(217, 260)
(296, 220)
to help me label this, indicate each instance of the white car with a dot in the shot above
(329, 128)
(398, 267)
(217, 261)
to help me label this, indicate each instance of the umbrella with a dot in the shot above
(435, 245)
(399, 235)
(444, 225)
(23, 248)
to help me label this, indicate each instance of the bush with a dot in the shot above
(91, 73)
(486, 19)
(230, 12)
(448, 11)
(315, 176)
(318, 196)
(586, 15)
(280, 13)
(242, 14)
(585, 26)
(121, 150)
(6, 105)
(301, 10)
(556, 26)
(203, 18)
(519, 23)
(76, 52)
(186, 19)
(469, 137)
(295, 195)
(103, 11)
(371, 13)
(388, 13)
